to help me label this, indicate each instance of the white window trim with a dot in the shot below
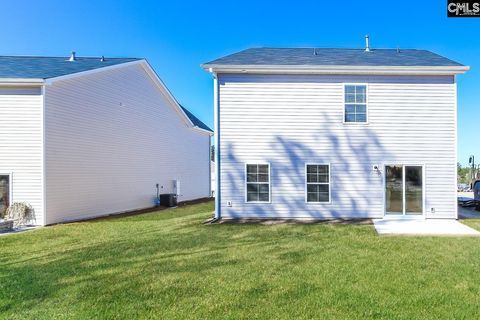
(269, 181)
(329, 183)
(10, 184)
(403, 215)
(343, 104)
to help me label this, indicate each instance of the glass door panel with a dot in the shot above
(394, 189)
(4, 193)
(413, 190)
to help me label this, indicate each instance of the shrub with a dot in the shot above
(21, 213)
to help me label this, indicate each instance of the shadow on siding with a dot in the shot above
(351, 155)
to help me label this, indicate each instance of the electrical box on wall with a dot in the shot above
(229, 203)
(176, 187)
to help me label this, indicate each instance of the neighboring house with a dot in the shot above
(335, 133)
(85, 137)
(212, 175)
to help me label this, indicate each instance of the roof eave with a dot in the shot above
(197, 128)
(22, 81)
(338, 69)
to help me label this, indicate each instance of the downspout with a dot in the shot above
(210, 166)
(456, 145)
(216, 135)
(43, 164)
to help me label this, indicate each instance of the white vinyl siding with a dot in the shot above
(21, 144)
(290, 120)
(110, 138)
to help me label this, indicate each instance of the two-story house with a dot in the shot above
(83, 137)
(335, 133)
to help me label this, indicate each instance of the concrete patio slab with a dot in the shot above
(19, 230)
(428, 227)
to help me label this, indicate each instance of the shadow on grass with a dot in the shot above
(172, 266)
(103, 259)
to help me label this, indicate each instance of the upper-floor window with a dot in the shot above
(258, 182)
(355, 103)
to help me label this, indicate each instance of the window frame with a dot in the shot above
(345, 103)
(329, 182)
(10, 184)
(269, 182)
(424, 192)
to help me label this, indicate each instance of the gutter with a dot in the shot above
(197, 128)
(22, 82)
(327, 69)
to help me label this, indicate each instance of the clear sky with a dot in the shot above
(177, 36)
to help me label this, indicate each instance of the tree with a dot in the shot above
(463, 174)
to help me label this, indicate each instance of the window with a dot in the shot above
(258, 182)
(318, 182)
(355, 103)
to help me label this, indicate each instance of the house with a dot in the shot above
(212, 177)
(84, 137)
(335, 133)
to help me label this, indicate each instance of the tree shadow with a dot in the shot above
(356, 188)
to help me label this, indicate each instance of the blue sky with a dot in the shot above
(176, 36)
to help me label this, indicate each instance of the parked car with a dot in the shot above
(476, 193)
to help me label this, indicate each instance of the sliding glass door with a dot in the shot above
(4, 193)
(403, 190)
(394, 189)
(413, 190)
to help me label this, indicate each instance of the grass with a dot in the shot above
(167, 265)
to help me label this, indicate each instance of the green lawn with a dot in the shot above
(168, 265)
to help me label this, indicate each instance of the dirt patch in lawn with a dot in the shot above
(140, 211)
(290, 221)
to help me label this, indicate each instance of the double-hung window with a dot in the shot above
(258, 182)
(317, 182)
(355, 103)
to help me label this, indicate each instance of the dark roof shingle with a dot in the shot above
(23, 67)
(334, 57)
(29, 67)
(196, 122)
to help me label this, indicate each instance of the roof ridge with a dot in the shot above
(66, 57)
(315, 56)
(338, 48)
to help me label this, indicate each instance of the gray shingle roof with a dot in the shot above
(197, 122)
(333, 57)
(28, 67)
(23, 67)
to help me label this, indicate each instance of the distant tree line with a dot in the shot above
(464, 174)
